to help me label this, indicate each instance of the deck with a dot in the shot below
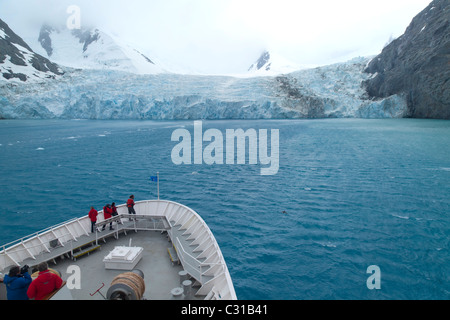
(160, 275)
(174, 238)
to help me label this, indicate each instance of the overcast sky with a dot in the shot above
(226, 36)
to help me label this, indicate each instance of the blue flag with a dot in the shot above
(155, 179)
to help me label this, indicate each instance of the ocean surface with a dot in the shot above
(349, 194)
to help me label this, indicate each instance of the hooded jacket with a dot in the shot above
(107, 212)
(17, 286)
(44, 284)
(93, 215)
(130, 203)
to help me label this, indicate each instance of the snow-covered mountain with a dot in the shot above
(270, 63)
(18, 62)
(102, 86)
(92, 49)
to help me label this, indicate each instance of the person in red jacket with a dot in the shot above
(130, 205)
(44, 284)
(114, 212)
(114, 209)
(107, 213)
(93, 216)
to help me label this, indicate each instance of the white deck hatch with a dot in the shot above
(123, 258)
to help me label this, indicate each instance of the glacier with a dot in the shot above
(333, 91)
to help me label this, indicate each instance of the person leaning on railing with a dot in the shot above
(93, 217)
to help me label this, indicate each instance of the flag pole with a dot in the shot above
(157, 181)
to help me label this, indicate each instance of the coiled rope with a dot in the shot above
(130, 280)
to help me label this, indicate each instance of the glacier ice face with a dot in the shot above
(336, 91)
(331, 91)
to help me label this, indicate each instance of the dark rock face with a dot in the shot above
(7, 49)
(86, 37)
(18, 57)
(261, 62)
(417, 65)
(45, 40)
(295, 97)
(145, 57)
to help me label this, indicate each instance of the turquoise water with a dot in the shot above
(349, 194)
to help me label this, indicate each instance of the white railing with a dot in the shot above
(35, 234)
(194, 266)
(17, 251)
(14, 253)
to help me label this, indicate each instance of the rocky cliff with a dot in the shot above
(18, 61)
(417, 65)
